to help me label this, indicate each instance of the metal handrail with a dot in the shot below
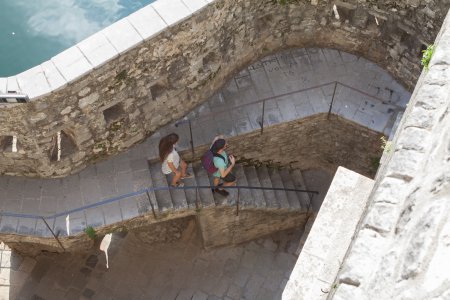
(142, 191)
(253, 102)
(263, 101)
(187, 120)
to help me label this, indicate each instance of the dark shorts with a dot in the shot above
(229, 178)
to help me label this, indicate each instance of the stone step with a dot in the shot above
(229, 200)
(191, 194)
(269, 195)
(293, 197)
(201, 177)
(142, 179)
(178, 195)
(163, 198)
(277, 182)
(253, 180)
(299, 183)
(245, 195)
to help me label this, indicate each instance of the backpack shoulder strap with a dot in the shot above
(218, 155)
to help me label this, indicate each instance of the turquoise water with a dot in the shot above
(32, 31)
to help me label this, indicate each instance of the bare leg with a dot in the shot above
(216, 181)
(175, 178)
(183, 167)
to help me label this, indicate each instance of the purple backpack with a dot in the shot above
(208, 161)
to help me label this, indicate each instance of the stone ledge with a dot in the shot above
(330, 237)
(401, 241)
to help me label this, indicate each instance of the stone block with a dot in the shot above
(147, 22)
(12, 85)
(363, 259)
(195, 5)
(97, 49)
(404, 164)
(122, 35)
(382, 217)
(390, 190)
(88, 100)
(54, 77)
(33, 82)
(415, 139)
(172, 11)
(421, 118)
(71, 63)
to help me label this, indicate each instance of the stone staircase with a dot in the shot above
(259, 176)
(128, 173)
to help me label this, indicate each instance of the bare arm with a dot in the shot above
(224, 172)
(172, 167)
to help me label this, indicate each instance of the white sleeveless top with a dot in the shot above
(174, 158)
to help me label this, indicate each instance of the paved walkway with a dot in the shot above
(143, 270)
(286, 72)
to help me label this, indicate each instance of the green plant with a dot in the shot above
(385, 144)
(375, 163)
(90, 232)
(115, 126)
(426, 56)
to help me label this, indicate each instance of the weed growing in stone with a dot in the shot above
(375, 163)
(426, 56)
(90, 232)
(385, 144)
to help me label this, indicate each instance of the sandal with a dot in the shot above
(178, 184)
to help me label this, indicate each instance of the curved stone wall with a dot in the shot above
(117, 87)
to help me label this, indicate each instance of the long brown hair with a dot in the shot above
(166, 145)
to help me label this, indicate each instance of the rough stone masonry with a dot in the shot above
(402, 248)
(120, 103)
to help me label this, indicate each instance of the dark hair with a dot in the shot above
(166, 145)
(218, 145)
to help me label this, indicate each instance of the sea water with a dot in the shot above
(33, 31)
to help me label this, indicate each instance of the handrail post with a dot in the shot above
(332, 100)
(237, 201)
(262, 117)
(310, 197)
(151, 204)
(54, 235)
(196, 198)
(192, 139)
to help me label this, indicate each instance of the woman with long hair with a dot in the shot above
(171, 162)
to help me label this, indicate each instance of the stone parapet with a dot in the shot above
(319, 261)
(401, 249)
(218, 226)
(117, 87)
